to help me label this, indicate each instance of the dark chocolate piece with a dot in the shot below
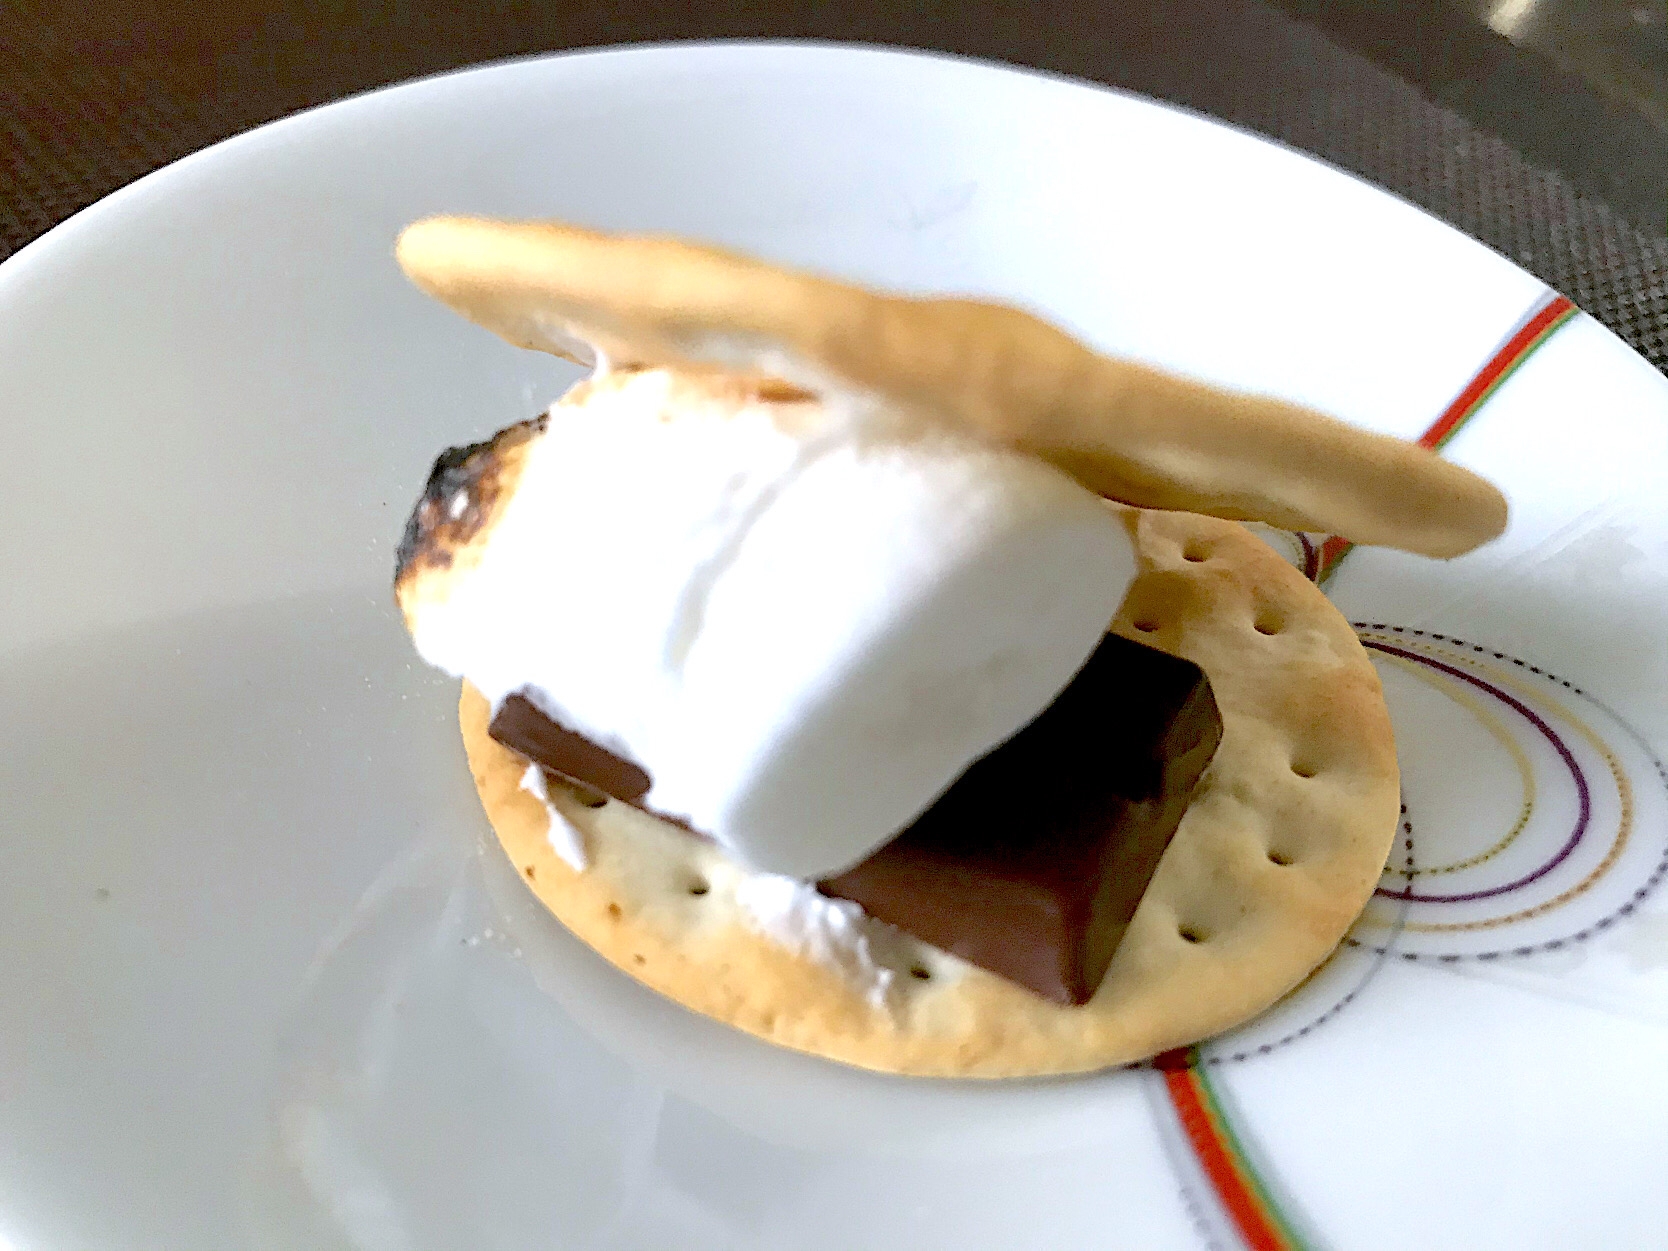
(1033, 861)
(521, 727)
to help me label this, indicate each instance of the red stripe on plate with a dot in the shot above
(1223, 1168)
(1556, 311)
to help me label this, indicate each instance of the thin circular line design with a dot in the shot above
(1510, 745)
(1541, 946)
(1252, 1208)
(1380, 955)
(1583, 794)
(1624, 830)
(1658, 874)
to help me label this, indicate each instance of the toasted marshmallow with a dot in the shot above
(802, 618)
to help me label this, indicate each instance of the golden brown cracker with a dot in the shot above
(1125, 430)
(1280, 849)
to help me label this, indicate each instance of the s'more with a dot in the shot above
(893, 678)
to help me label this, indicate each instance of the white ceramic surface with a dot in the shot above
(259, 985)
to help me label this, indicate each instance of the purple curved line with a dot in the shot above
(1583, 816)
(1311, 556)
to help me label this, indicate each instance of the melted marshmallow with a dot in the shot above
(565, 838)
(829, 931)
(803, 620)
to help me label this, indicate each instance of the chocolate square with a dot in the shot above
(1032, 863)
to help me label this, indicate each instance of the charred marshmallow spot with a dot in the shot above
(458, 497)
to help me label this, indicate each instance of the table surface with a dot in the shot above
(1485, 136)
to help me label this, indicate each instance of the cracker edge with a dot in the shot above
(967, 1022)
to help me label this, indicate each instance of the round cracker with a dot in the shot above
(1124, 430)
(1280, 849)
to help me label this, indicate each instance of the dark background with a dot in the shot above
(1537, 126)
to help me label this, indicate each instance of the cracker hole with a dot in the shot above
(593, 799)
(1278, 857)
(639, 958)
(1268, 623)
(1190, 935)
(1304, 769)
(614, 911)
(1146, 627)
(529, 872)
(1195, 552)
(920, 972)
(699, 887)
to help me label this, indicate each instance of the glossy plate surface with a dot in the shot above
(259, 986)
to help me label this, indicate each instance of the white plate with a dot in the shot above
(258, 986)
